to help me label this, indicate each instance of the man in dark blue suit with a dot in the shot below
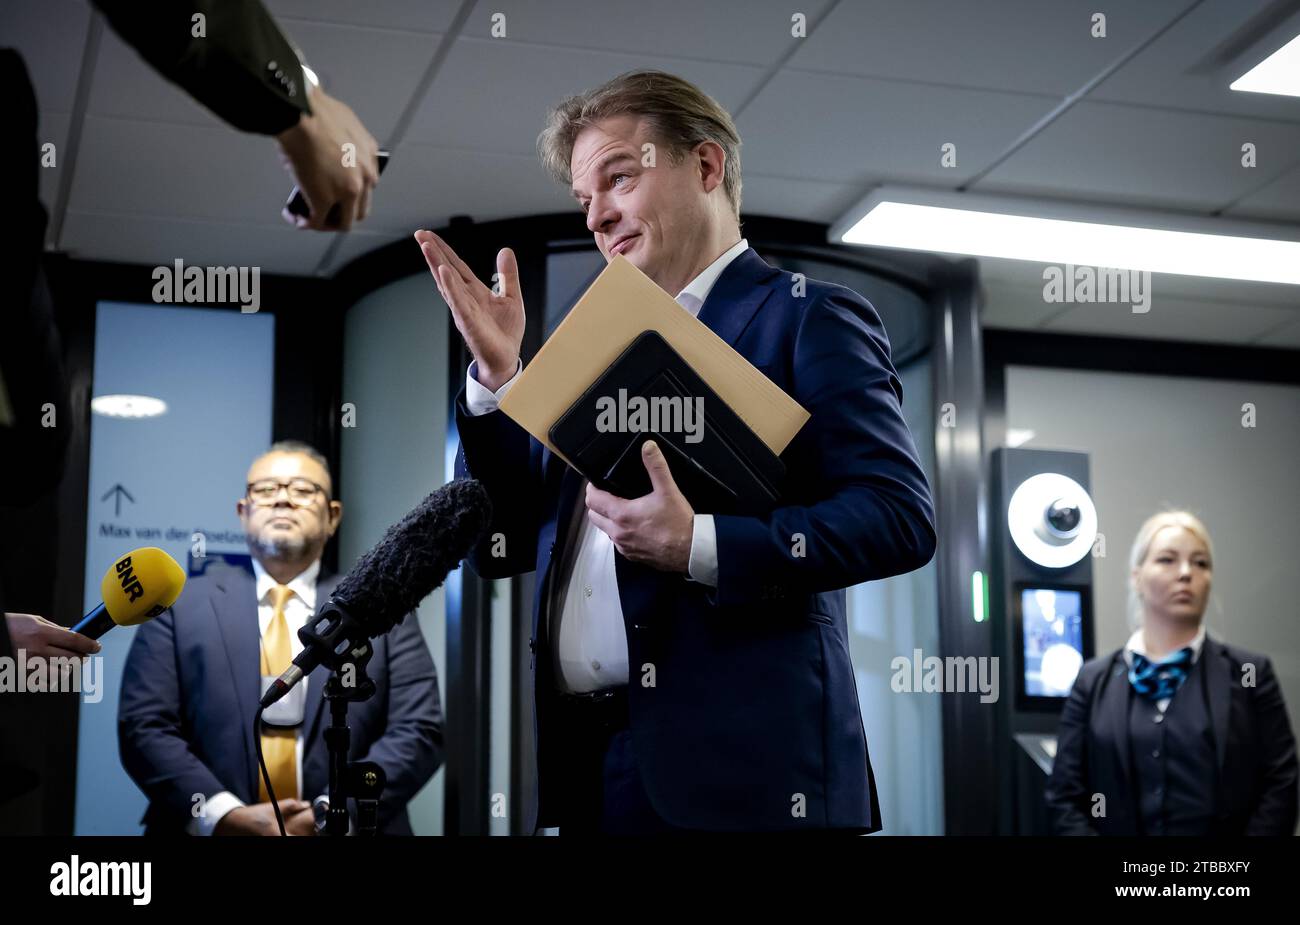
(192, 680)
(692, 670)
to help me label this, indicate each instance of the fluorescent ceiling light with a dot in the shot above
(1018, 436)
(128, 406)
(1070, 233)
(1278, 73)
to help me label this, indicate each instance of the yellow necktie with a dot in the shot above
(279, 744)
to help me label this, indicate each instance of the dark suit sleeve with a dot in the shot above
(31, 356)
(150, 738)
(231, 69)
(1275, 807)
(869, 515)
(1068, 797)
(499, 453)
(410, 749)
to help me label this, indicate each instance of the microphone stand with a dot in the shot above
(362, 780)
(340, 641)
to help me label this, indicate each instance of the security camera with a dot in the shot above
(1052, 520)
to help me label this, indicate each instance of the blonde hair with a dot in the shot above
(679, 115)
(1142, 548)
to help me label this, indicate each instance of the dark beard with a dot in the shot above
(288, 548)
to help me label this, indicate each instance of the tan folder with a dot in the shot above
(617, 307)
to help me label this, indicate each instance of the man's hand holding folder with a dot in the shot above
(655, 529)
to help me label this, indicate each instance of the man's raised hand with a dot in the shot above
(492, 323)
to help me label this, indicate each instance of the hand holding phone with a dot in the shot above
(330, 195)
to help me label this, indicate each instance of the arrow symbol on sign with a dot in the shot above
(119, 491)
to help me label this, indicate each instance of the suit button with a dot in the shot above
(1155, 753)
(271, 66)
(532, 646)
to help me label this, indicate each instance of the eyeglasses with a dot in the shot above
(266, 492)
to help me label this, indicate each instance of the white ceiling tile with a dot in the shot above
(869, 98)
(736, 31)
(1170, 316)
(178, 171)
(1277, 201)
(1174, 318)
(53, 128)
(403, 15)
(1018, 45)
(494, 94)
(1142, 156)
(1014, 306)
(1181, 68)
(359, 243)
(786, 197)
(374, 72)
(125, 86)
(1287, 337)
(51, 37)
(425, 185)
(1029, 274)
(159, 241)
(855, 130)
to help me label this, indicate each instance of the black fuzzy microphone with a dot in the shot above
(412, 559)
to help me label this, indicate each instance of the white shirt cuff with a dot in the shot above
(214, 810)
(479, 399)
(703, 566)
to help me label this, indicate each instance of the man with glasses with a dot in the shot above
(194, 675)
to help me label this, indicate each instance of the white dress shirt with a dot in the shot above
(591, 651)
(1137, 643)
(298, 609)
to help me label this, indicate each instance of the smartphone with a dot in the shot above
(297, 205)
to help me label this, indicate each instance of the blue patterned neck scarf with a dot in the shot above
(1158, 680)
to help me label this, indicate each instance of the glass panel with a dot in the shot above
(157, 479)
(395, 375)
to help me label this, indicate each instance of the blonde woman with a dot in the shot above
(1176, 733)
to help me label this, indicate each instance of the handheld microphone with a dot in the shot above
(412, 559)
(136, 588)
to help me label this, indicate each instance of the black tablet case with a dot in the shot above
(729, 471)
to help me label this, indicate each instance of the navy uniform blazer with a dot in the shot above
(1255, 751)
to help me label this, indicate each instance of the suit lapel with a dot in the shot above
(234, 607)
(736, 296)
(1114, 713)
(325, 585)
(571, 484)
(1218, 681)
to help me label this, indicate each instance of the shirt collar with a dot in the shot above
(303, 584)
(1137, 644)
(697, 291)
